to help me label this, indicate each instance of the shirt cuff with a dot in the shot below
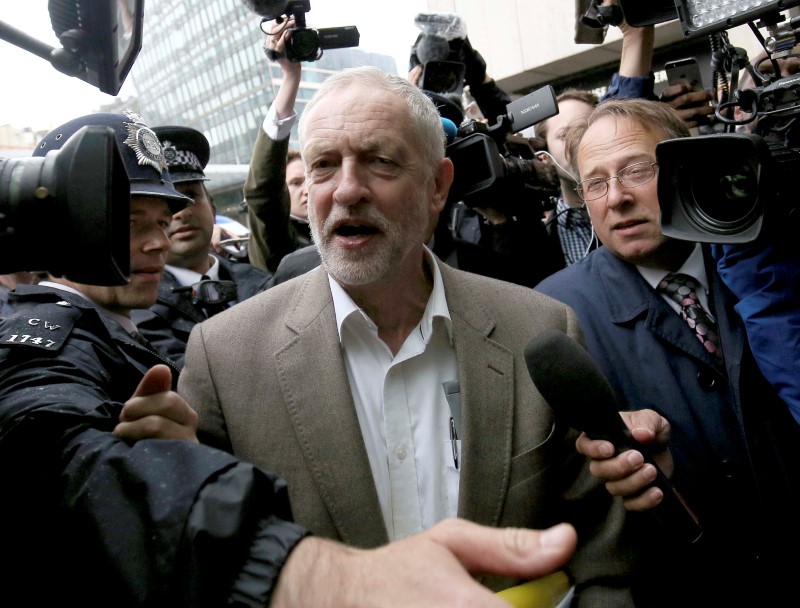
(278, 128)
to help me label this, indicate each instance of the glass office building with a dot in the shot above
(202, 65)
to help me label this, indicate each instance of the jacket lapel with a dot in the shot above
(486, 377)
(641, 299)
(316, 390)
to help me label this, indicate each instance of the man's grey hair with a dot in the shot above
(426, 124)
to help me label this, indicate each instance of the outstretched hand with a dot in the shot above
(155, 411)
(432, 568)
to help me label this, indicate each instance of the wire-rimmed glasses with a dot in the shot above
(631, 176)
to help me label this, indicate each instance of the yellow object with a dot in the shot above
(545, 592)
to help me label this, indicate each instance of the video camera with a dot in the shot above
(304, 43)
(719, 188)
(65, 213)
(443, 50)
(499, 170)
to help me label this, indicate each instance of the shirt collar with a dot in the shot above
(186, 277)
(693, 266)
(344, 306)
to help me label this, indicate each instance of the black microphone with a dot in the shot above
(576, 388)
(432, 47)
(269, 9)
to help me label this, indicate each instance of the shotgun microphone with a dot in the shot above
(574, 386)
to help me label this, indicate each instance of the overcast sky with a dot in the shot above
(35, 94)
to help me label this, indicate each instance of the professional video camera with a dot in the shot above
(444, 51)
(65, 213)
(719, 188)
(498, 170)
(305, 43)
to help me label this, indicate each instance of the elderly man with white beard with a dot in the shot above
(388, 389)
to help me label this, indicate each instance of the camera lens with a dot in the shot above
(724, 197)
(303, 45)
(68, 212)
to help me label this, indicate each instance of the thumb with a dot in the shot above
(158, 379)
(514, 552)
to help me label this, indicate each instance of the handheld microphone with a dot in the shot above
(432, 48)
(575, 387)
(450, 129)
(269, 9)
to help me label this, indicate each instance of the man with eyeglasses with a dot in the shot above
(688, 387)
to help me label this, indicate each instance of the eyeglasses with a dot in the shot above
(631, 176)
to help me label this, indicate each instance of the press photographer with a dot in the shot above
(500, 193)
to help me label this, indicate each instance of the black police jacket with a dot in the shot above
(91, 520)
(168, 323)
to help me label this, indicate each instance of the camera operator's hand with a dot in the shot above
(693, 107)
(622, 25)
(287, 93)
(415, 74)
(275, 44)
(154, 411)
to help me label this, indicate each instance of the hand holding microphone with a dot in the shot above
(575, 387)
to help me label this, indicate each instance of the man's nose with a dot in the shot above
(350, 186)
(617, 193)
(158, 240)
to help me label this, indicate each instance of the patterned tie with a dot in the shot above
(683, 289)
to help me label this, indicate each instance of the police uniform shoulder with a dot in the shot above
(45, 326)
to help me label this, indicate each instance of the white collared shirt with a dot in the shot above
(402, 410)
(186, 277)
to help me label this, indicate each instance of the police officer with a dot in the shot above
(197, 283)
(99, 518)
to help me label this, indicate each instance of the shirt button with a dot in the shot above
(400, 452)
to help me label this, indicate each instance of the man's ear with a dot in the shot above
(442, 179)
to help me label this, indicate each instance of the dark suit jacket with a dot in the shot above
(734, 443)
(268, 380)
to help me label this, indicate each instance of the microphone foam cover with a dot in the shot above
(432, 47)
(450, 129)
